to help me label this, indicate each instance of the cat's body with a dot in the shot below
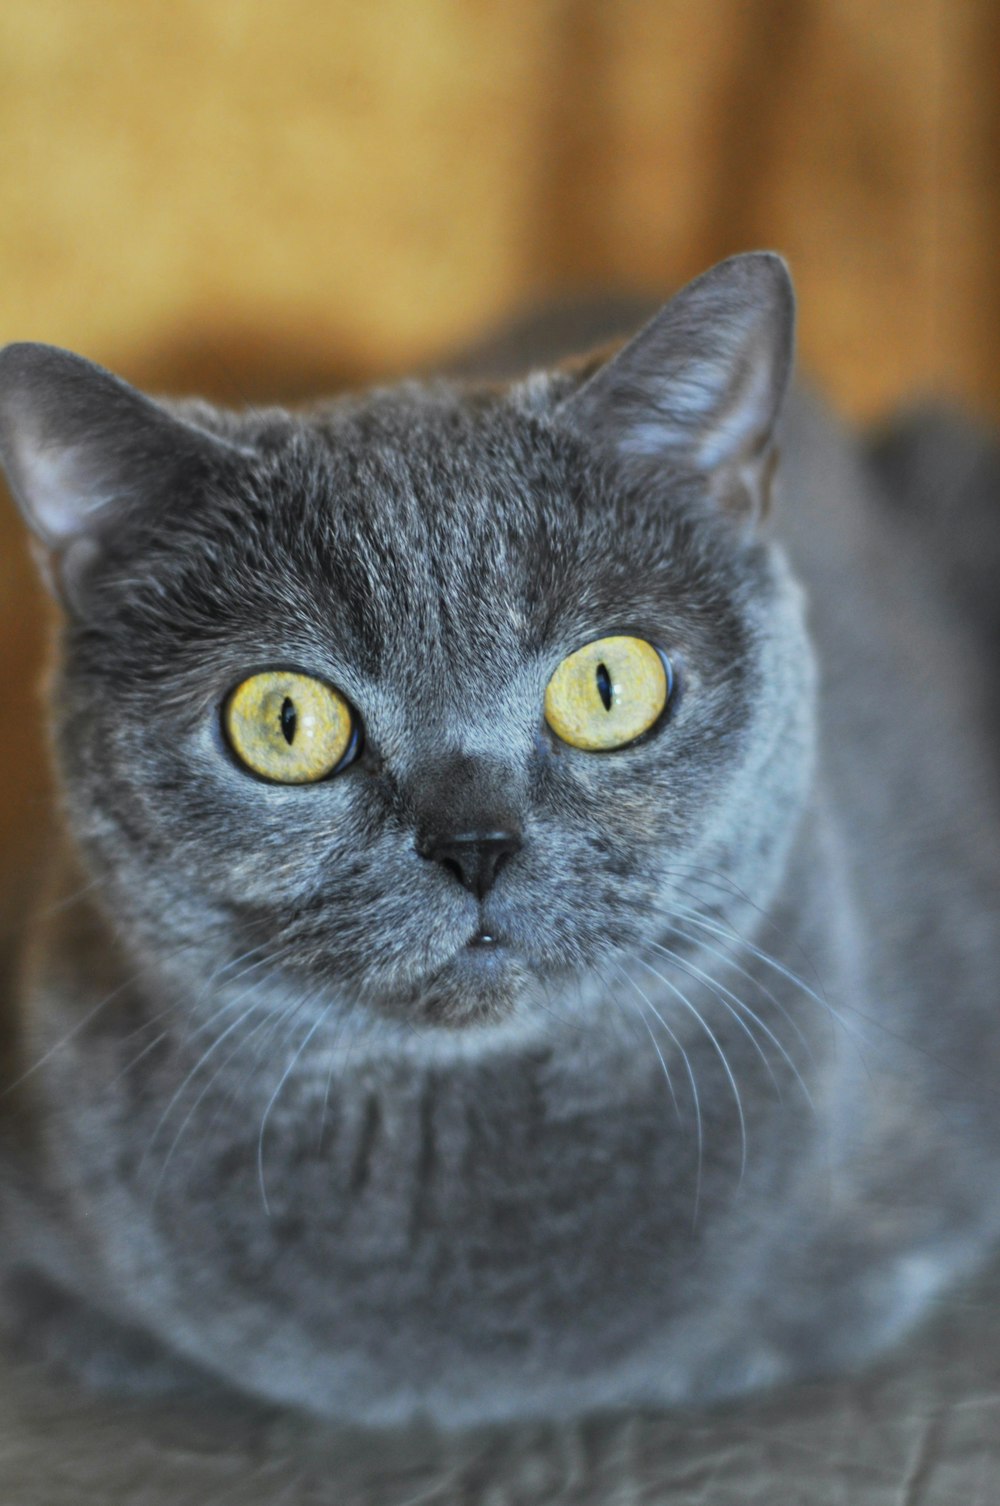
(425, 1175)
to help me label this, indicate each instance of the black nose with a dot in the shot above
(473, 857)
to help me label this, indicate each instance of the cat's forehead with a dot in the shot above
(442, 468)
(457, 517)
(406, 537)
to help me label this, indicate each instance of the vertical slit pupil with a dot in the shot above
(288, 719)
(604, 685)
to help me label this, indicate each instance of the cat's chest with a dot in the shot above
(383, 1163)
(392, 1182)
(339, 1235)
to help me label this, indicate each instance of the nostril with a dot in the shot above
(473, 858)
(450, 865)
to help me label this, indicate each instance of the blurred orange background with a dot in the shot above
(258, 200)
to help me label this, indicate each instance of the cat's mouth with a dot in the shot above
(482, 982)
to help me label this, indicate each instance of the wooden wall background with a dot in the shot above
(255, 199)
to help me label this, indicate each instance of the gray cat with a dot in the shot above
(490, 970)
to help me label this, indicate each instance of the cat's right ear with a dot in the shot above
(700, 389)
(82, 450)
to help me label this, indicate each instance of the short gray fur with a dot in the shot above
(276, 1120)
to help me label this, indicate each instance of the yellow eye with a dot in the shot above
(607, 694)
(288, 727)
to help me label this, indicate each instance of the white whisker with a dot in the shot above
(202, 1059)
(726, 933)
(656, 1044)
(265, 1038)
(77, 1026)
(724, 994)
(682, 998)
(713, 879)
(201, 1094)
(695, 1097)
(273, 1100)
(729, 961)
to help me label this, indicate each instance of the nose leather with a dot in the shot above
(474, 858)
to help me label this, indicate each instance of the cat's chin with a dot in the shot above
(483, 984)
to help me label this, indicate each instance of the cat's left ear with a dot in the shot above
(83, 450)
(700, 388)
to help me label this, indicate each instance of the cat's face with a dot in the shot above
(432, 556)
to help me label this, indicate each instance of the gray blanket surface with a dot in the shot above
(921, 1430)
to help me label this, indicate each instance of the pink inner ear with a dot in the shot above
(741, 424)
(56, 488)
(702, 385)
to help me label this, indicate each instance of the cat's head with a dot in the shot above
(428, 701)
